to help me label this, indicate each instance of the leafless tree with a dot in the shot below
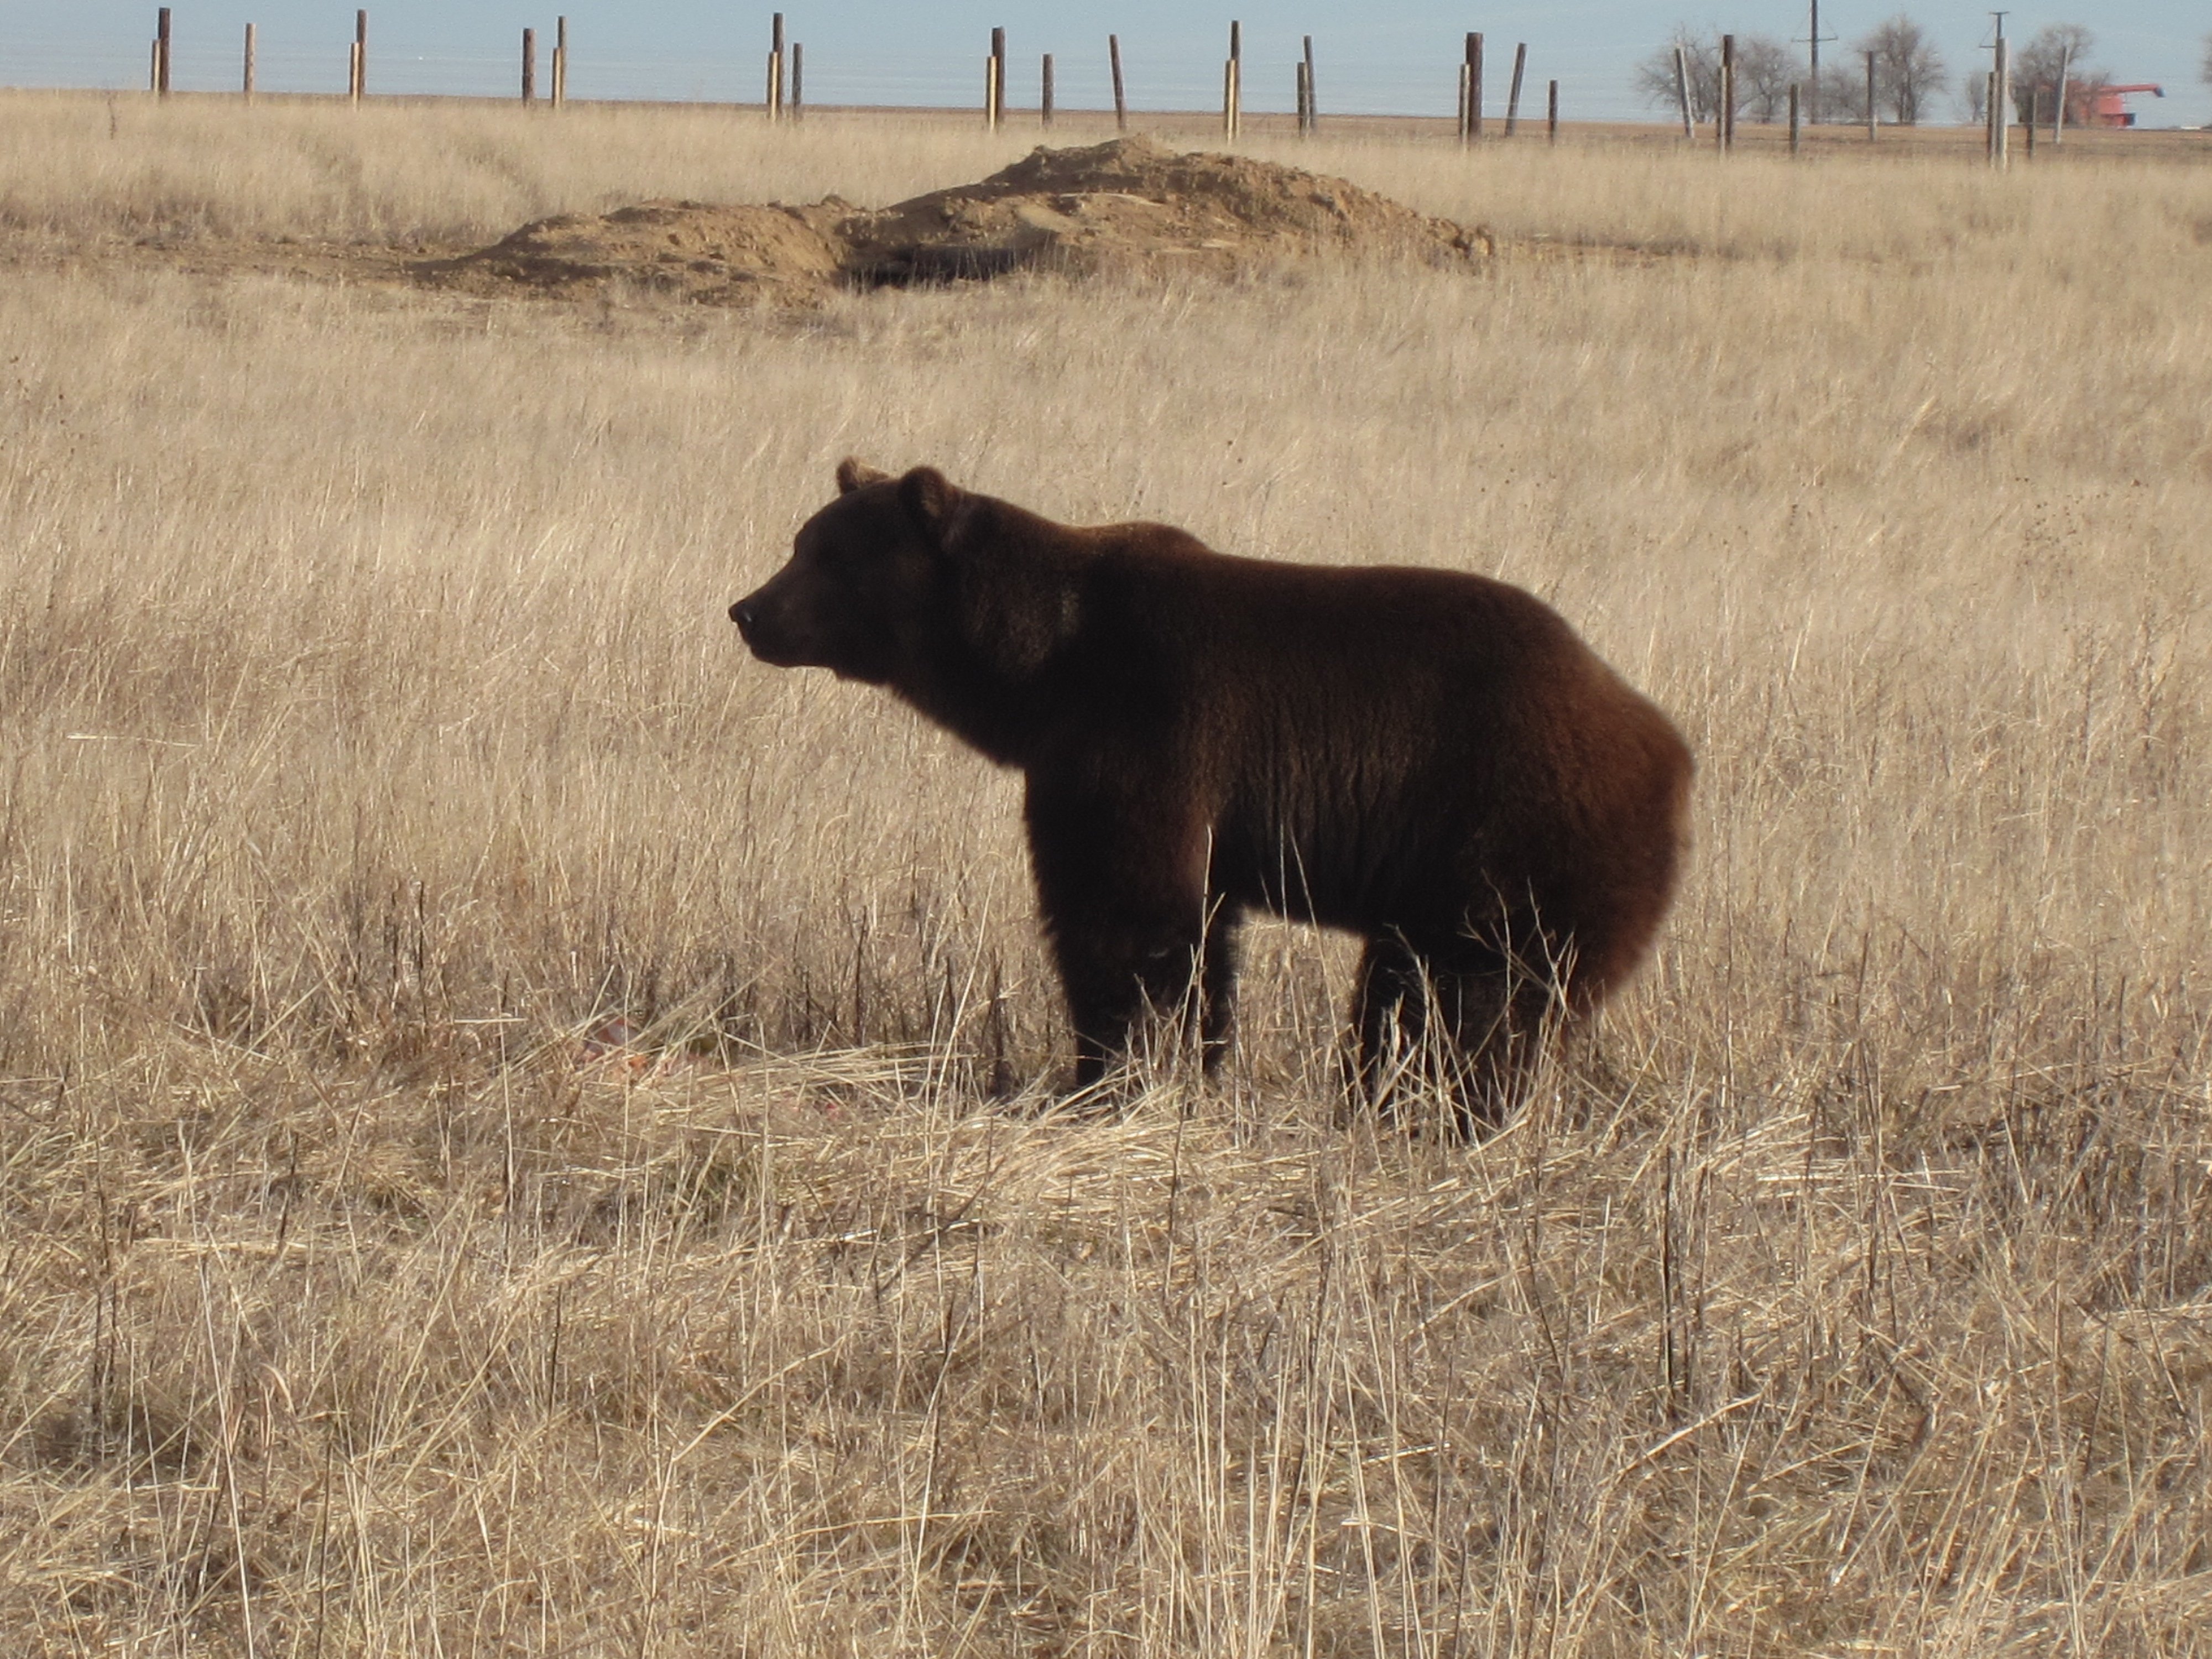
(1908, 69)
(1842, 90)
(1763, 73)
(2208, 60)
(1764, 69)
(1655, 76)
(1974, 94)
(2035, 66)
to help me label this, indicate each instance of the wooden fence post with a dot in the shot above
(161, 76)
(1473, 87)
(2001, 107)
(1313, 113)
(1724, 122)
(1121, 103)
(1873, 110)
(529, 67)
(1045, 107)
(772, 98)
(994, 80)
(2058, 115)
(2034, 120)
(1733, 100)
(360, 55)
(1513, 97)
(1552, 115)
(560, 63)
(1232, 91)
(1792, 117)
(795, 107)
(1682, 91)
(249, 63)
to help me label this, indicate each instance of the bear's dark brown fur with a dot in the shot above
(1431, 760)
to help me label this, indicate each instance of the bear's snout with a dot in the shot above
(777, 637)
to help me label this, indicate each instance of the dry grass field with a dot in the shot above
(523, 1131)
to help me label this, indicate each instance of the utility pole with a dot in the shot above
(1812, 45)
(1814, 40)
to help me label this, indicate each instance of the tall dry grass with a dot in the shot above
(373, 738)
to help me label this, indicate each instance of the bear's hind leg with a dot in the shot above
(1217, 985)
(1461, 1022)
(1389, 1021)
(1494, 1020)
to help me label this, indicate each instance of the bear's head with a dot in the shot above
(955, 601)
(863, 592)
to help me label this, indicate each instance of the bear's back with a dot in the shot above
(1374, 745)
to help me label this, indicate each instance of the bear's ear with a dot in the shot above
(854, 473)
(933, 498)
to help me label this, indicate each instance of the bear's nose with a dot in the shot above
(743, 613)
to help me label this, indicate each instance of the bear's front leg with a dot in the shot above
(1117, 977)
(1122, 884)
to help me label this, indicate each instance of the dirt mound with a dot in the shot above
(695, 250)
(1128, 205)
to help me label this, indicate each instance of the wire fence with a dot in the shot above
(1384, 69)
(1395, 73)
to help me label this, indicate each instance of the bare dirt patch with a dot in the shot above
(1128, 205)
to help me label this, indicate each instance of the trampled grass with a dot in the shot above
(522, 1126)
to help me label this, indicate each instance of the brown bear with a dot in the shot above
(1429, 759)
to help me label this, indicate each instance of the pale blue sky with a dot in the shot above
(1390, 55)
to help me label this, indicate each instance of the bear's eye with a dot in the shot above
(852, 561)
